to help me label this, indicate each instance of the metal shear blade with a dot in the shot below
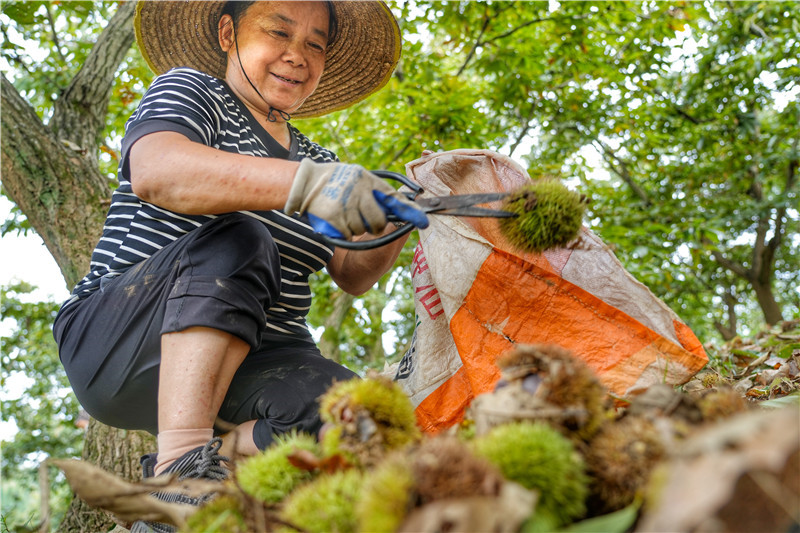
(454, 205)
(464, 205)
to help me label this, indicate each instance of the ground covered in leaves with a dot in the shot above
(764, 367)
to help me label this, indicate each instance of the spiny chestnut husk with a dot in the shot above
(369, 417)
(388, 495)
(548, 383)
(721, 403)
(619, 461)
(539, 458)
(270, 476)
(440, 484)
(326, 504)
(549, 215)
(445, 467)
(224, 513)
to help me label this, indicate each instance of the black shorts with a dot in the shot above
(224, 275)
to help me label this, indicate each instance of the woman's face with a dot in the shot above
(282, 48)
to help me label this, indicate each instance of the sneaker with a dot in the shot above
(148, 462)
(204, 462)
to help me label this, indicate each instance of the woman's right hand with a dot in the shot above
(342, 195)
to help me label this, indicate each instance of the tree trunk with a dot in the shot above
(728, 330)
(766, 300)
(329, 343)
(62, 194)
(51, 173)
(117, 451)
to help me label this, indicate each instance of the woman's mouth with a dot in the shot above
(286, 80)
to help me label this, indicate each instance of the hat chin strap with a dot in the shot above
(271, 114)
(272, 110)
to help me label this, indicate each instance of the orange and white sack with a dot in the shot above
(476, 296)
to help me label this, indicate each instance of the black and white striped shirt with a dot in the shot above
(203, 109)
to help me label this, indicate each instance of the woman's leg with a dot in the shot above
(197, 365)
(220, 278)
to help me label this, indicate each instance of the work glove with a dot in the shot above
(344, 200)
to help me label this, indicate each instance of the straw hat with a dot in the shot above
(359, 62)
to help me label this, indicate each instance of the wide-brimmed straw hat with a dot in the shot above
(359, 62)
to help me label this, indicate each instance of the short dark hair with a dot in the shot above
(236, 8)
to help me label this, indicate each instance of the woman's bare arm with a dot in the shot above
(171, 171)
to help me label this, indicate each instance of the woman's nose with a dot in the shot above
(293, 53)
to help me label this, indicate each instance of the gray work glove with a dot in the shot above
(341, 198)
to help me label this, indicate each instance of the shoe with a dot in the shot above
(204, 462)
(148, 462)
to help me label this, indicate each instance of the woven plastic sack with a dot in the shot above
(476, 296)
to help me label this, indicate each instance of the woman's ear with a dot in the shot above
(225, 31)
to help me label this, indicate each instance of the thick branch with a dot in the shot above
(729, 265)
(61, 191)
(728, 331)
(62, 194)
(79, 115)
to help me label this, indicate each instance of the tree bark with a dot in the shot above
(62, 193)
(117, 451)
(728, 330)
(51, 173)
(766, 300)
(329, 343)
(79, 115)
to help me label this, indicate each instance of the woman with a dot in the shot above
(194, 307)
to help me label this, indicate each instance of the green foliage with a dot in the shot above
(698, 132)
(538, 457)
(37, 399)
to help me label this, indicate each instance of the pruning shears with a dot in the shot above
(464, 205)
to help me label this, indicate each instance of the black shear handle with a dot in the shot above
(389, 237)
(402, 178)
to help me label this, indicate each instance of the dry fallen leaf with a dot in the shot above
(131, 501)
(740, 475)
(306, 460)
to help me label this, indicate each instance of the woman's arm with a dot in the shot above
(171, 171)
(356, 271)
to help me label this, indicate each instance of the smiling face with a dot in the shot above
(282, 49)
